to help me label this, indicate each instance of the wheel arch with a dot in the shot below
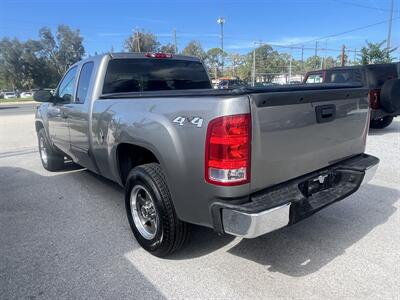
(38, 125)
(130, 155)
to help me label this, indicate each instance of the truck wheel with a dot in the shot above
(381, 123)
(151, 213)
(51, 160)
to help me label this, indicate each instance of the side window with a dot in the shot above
(315, 78)
(66, 88)
(341, 76)
(83, 83)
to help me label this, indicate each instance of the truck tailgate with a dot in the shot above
(297, 132)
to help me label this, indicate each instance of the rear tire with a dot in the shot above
(150, 211)
(381, 123)
(51, 160)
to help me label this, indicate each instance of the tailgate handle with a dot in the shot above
(325, 113)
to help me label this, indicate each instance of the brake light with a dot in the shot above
(374, 98)
(228, 148)
(158, 55)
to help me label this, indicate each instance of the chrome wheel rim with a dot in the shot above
(43, 150)
(143, 212)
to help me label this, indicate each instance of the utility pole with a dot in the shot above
(137, 39)
(253, 73)
(175, 42)
(316, 48)
(290, 65)
(390, 25)
(355, 56)
(342, 56)
(326, 53)
(221, 21)
(302, 62)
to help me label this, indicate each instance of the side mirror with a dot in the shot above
(42, 96)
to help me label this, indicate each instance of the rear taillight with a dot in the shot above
(158, 55)
(228, 145)
(374, 98)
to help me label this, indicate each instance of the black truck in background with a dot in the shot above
(382, 81)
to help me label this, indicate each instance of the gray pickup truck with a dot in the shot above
(243, 162)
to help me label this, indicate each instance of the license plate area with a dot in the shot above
(318, 183)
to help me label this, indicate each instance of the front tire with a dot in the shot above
(150, 211)
(51, 160)
(381, 122)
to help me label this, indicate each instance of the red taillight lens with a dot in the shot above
(374, 98)
(158, 55)
(227, 160)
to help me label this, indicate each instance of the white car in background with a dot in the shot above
(9, 95)
(26, 95)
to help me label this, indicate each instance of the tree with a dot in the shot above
(11, 63)
(329, 62)
(346, 59)
(168, 48)
(195, 49)
(38, 71)
(213, 61)
(63, 50)
(373, 53)
(3, 83)
(235, 62)
(39, 63)
(312, 63)
(141, 41)
(269, 62)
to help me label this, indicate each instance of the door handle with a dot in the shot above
(64, 115)
(325, 113)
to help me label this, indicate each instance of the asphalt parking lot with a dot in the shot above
(65, 235)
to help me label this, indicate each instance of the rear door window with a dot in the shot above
(147, 74)
(83, 83)
(345, 76)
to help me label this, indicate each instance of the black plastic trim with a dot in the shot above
(266, 96)
(328, 93)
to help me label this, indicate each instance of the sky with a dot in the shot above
(105, 24)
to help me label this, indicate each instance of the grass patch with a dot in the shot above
(16, 100)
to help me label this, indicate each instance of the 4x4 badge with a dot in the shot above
(196, 121)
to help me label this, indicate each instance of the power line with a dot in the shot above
(345, 32)
(359, 5)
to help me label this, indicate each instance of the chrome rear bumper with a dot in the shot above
(253, 225)
(369, 174)
(250, 225)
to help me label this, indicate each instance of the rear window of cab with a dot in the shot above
(144, 74)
